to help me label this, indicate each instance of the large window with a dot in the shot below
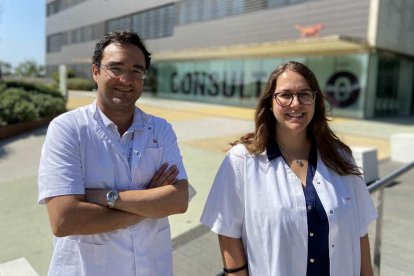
(123, 23)
(58, 5)
(191, 11)
(54, 43)
(386, 102)
(149, 24)
(278, 3)
(84, 34)
(154, 23)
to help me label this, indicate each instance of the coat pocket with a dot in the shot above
(164, 251)
(72, 257)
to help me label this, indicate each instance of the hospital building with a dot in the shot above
(222, 51)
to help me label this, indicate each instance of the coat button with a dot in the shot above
(312, 260)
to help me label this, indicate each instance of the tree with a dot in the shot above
(29, 69)
(5, 68)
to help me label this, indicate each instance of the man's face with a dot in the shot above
(119, 94)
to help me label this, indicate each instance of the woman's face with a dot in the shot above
(293, 118)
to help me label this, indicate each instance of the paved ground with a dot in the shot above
(204, 132)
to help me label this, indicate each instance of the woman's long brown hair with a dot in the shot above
(328, 144)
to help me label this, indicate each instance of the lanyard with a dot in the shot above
(131, 144)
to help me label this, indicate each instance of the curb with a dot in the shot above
(19, 128)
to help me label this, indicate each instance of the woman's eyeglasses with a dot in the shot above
(285, 98)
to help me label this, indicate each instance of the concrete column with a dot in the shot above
(366, 159)
(63, 80)
(402, 149)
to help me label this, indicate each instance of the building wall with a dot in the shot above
(94, 11)
(348, 18)
(88, 13)
(377, 82)
(396, 26)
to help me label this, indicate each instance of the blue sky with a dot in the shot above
(22, 31)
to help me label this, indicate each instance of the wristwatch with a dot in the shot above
(111, 198)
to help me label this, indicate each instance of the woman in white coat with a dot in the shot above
(288, 199)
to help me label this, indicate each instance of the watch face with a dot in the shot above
(112, 195)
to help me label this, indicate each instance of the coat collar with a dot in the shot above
(141, 119)
(273, 152)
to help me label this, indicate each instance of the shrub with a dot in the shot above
(70, 73)
(22, 102)
(2, 87)
(80, 84)
(16, 106)
(48, 106)
(33, 87)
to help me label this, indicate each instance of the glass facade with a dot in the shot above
(386, 102)
(241, 82)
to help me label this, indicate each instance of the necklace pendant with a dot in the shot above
(300, 163)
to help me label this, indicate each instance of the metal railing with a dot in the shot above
(379, 186)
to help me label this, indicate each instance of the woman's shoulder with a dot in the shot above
(239, 150)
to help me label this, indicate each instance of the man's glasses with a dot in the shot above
(115, 71)
(285, 98)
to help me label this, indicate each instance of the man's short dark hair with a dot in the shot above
(122, 38)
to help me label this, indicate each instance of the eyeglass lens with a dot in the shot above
(117, 72)
(286, 98)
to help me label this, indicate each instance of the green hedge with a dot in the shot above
(36, 88)
(16, 106)
(77, 84)
(80, 84)
(23, 102)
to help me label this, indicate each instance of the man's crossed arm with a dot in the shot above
(87, 214)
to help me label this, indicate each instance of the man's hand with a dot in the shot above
(164, 176)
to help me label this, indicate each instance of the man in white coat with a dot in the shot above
(110, 174)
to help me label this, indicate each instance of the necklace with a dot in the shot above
(300, 163)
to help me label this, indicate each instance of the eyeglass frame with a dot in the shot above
(293, 95)
(124, 71)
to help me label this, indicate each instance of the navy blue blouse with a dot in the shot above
(318, 226)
